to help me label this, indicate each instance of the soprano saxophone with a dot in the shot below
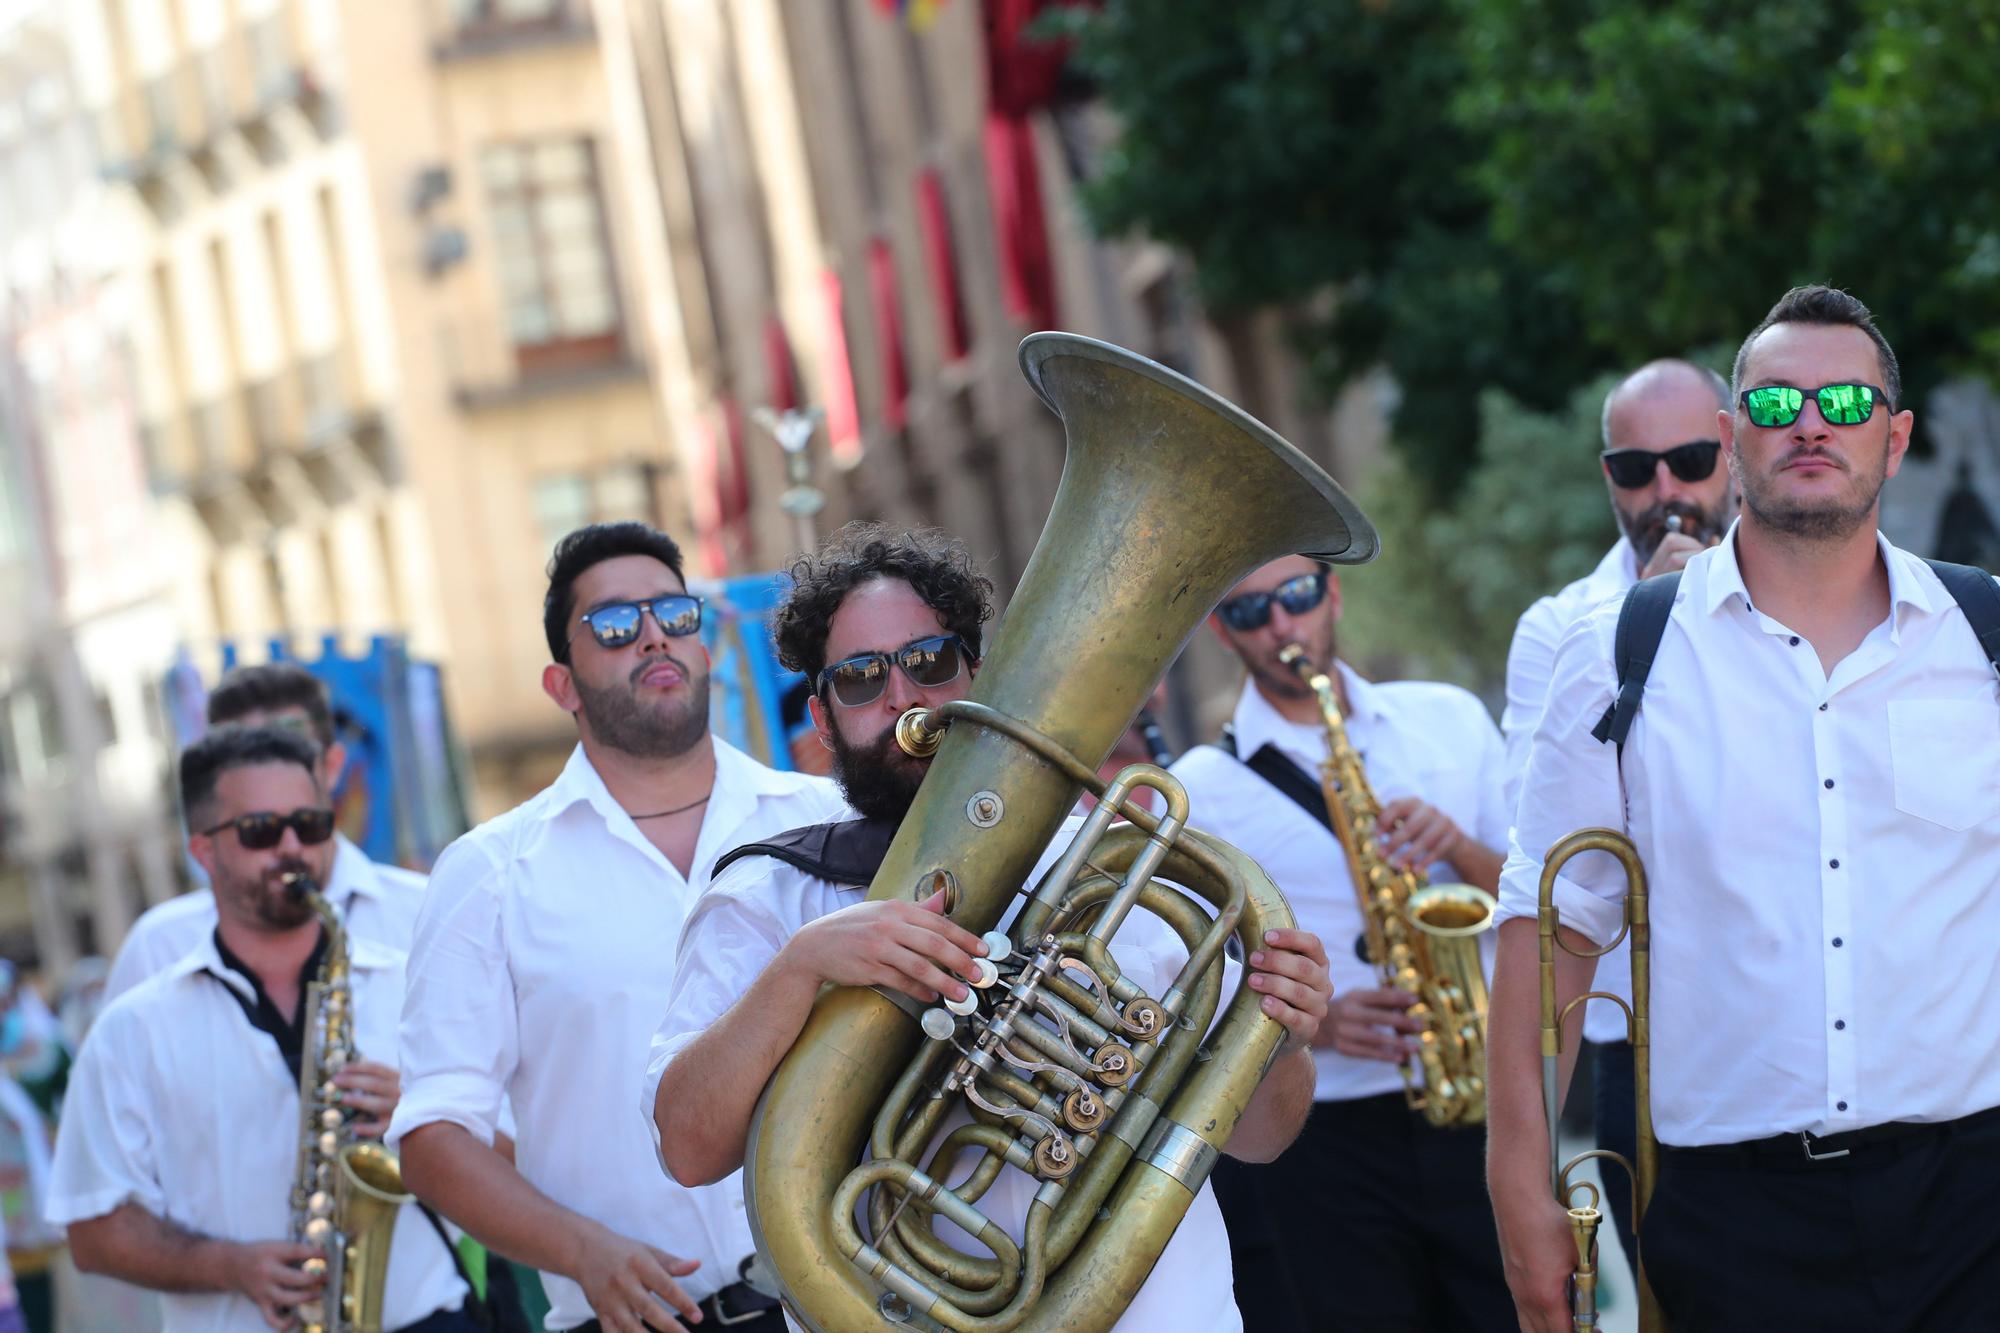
(346, 1192)
(1422, 938)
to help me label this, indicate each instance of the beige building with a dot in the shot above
(838, 209)
(394, 294)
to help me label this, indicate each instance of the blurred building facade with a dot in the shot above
(387, 297)
(84, 833)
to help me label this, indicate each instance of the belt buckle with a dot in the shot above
(1806, 1142)
(723, 1318)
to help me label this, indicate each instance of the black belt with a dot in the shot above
(737, 1303)
(1805, 1147)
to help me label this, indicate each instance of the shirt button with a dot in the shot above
(1822, 708)
(1836, 941)
(1840, 1025)
(1834, 864)
(1829, 784)
(1795, 641)
(1840, 1106)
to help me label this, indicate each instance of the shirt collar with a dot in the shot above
(353, 875)
(363, 955)
(739, 782)
(1257, 724)
(1908, 584)
(1620, 564)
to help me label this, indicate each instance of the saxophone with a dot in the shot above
(346, 1193)
(1422, 938)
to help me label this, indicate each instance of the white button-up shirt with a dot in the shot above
(1820, 852)
(1530, 658)
(757, 904)
(1416, 738)
(178, 1104)
(542, 963)
(376, 902)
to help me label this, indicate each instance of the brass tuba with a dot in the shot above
(1579, 1197)
(345, 1193)
(1169, 495)
(1423, 938)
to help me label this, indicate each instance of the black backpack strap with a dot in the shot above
(848, 851)
(1292, 781)
(1972, 588)
(1642, 623)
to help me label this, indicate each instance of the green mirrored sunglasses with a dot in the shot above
(1839, 404)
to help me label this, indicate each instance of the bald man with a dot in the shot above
(1660, 463)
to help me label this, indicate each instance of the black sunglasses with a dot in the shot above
(1252, 610)
(1839, 404)
(1632, 468)
(928, 663)
(261, 830)
(616, 624)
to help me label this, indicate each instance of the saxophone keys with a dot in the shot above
(329, 1143)
(998, 947)
(965, 1006)
(984, 974)
(314, 1267)
(331, 1119)
(938, 1024)
(320, 1204)
(319, 1231)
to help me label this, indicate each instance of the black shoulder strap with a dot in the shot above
(848, 851)
(1972, 588)
(1291, 781)
(1642, 623)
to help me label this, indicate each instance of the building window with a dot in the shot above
(553, 254)
(566, 501)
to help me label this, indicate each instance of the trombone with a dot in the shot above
(1580, 1197)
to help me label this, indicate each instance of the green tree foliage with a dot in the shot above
(1518, 197)
(1297, 147)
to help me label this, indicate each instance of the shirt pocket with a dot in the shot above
(1946, 756)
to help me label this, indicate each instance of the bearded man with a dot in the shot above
(545, 951)
(881, 621)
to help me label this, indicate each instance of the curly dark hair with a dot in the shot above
(269, 687)
(937, 566)
(589, 546)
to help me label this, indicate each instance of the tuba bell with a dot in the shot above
(1169, 496)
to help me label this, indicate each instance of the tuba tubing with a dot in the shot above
(1169, 496)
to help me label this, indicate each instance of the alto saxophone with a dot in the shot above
(346, 1192)
(1423, 938)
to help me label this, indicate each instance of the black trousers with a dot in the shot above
(770, 1321)
(1381, 1225)
(1898, 1237)
(444, 1321)
(1613, 1103)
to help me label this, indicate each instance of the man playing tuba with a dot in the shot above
(1378, 1216)
(882, 621)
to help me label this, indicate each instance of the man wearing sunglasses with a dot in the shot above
(544, 954)
(1380, 1221)
(1812, 780)
(885, 621)
(1660, 461)
(179, 1134)
(377, 902)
